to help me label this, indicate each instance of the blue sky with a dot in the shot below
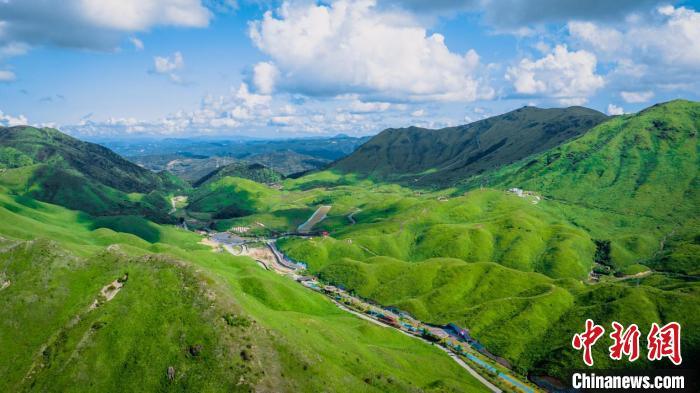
(130, 68)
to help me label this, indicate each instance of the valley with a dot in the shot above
(245, 278)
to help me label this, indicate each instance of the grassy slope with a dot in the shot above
(628, 164)
(423, 157)
(294, 340)
(587, 200)
(255, 172)
(84, 176)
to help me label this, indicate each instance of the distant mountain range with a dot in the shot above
(419, 156)
(191, 159)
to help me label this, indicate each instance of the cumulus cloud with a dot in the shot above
(354, 47)
(568, 76)
(216, 114)
(650, 50)
(169, 65)
(247, 112)
(7, 76)
(265, 76)
(634, 97)
(7, 120)
(93, 24)
(614, 110)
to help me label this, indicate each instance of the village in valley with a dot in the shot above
(493, 371)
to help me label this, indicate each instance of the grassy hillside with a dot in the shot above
(221, 322)
(422, 157)
(642, 164)
(255, 172)
(54, 167)
(624, 196)
(94, 161)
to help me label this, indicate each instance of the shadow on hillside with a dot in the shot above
(134, 225)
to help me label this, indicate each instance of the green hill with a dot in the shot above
(642, 164)
(621, 200)
(255, 172)
(185, 319)
(419, 156)
(57, 168)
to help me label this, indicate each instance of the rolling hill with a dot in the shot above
(642, 164)
(191, 159)
(95, 310)
(606, 228)
(421, 157)
(60, 169)
(620, 201)
(255, 172)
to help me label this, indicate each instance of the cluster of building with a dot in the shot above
(451, 335)
(525, 194)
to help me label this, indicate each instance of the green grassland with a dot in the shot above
(622, 200)
(510, 270)
(513, 271)
(220, 321)
(80, 175)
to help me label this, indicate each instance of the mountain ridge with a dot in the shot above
(427, 157)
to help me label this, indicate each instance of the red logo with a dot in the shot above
(662, 342)
(665, 342)
(586, 340)
(626, 342)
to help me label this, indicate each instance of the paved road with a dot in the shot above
(454, 357)
(281, 268)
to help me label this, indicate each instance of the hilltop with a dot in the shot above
(54, 167)
(644, 164)
(256, 172)
(419, 156)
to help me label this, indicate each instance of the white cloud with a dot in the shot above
(7, 76)
(137, 43)
(92, 24)
(615, 110)
(13, 49)
(169, 65)
(647, 50)
(568, 76)
(164, 65)
(139, 15)
(418, 113)
(265, 76)
(634, 97)
(358, 106)
(353, 47)
(602, 39)
(10, 121)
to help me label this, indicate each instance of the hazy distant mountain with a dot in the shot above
(191, 159)
(424, 157)
(324, 148)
